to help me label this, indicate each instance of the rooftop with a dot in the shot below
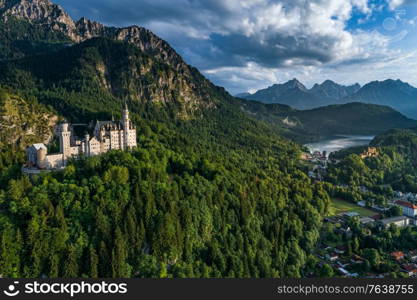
(406, 204)
(393, 220)
(397, 255)
(39, 146)
(366, 220)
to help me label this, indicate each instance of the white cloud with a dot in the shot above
(320, 47)
(393, 4)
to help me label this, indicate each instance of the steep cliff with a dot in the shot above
(23, 122)
(47, 15)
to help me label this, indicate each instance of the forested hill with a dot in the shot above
(215, 197)
(350, 118)
(209, 192)
(394, 166)
(406, 138)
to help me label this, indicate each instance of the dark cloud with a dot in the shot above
(127, 12)
(274, 52)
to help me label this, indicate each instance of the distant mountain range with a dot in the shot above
(394, 93)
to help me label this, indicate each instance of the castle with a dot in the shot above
(107, 135)
(369, 152)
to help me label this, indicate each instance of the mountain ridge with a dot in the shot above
(395, 93)
(295, 94)
(332, 90)
(46, 13)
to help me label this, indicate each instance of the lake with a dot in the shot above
(340, 142)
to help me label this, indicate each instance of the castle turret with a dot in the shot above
(126, 126)
(65, 139)
(87, 144)
(41, 158)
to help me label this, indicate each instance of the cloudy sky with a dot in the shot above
(245, 45)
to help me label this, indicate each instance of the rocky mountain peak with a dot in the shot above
(295, 83)
(329, 83)
(36, 11)
(46, 13)
(87, 29)
(42, 12)
(333, 90)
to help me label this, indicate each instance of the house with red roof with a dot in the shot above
(398, 255)
(409, 209)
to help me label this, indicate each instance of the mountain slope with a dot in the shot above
(395, 93)
(352, 118)
(292, 93)
(53, 19)
(399, 95)
(111, 69)
(45, 27)
(23, 122)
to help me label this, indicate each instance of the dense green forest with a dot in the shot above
(209, 192)
(176, 206)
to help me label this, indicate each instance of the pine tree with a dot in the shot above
(93, 263)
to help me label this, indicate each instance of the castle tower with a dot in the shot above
(126, 127)
(87, 144)
(65, 140)
(41, 158)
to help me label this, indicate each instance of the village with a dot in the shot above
(346, 263)
(369, 217)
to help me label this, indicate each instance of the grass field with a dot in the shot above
(341, 206)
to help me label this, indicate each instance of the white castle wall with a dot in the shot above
(107, 136)
(54, 161)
